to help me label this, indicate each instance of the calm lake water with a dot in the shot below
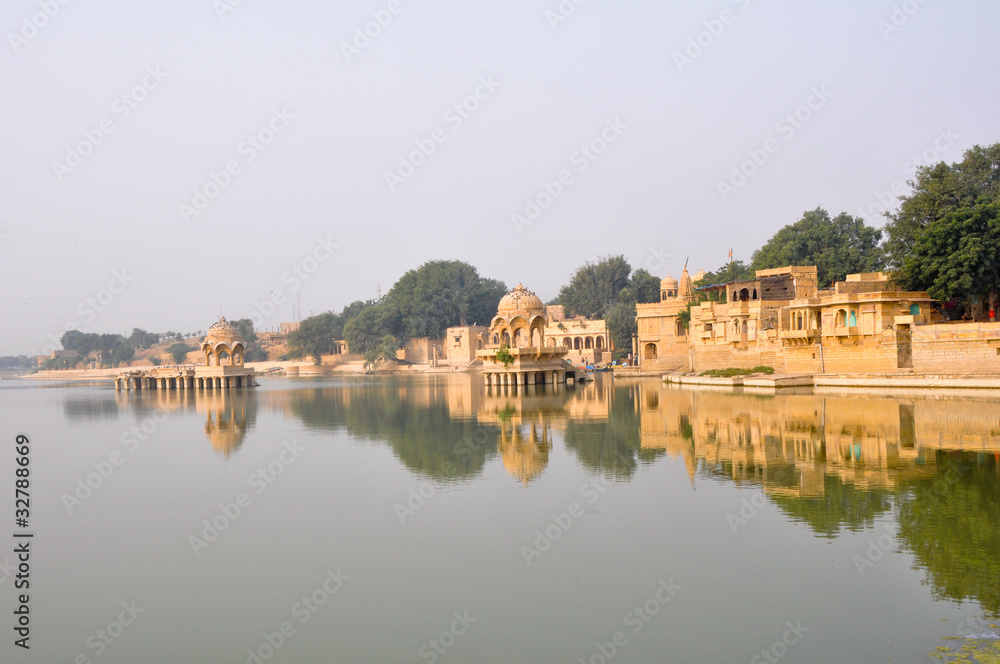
(426, 519)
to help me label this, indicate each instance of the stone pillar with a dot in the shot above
(531, 378)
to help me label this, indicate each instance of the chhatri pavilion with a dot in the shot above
(223, 348)
(518, 330)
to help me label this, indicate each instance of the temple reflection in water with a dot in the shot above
(229, 415)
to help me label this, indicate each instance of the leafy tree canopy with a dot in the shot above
(594, 287)
(837, 247)
(938, 191)
(957, 257)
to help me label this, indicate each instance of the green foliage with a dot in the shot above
(732, 271)
(315, 336)
(383, 354)
(504, 355)
(837, 247)
(155, 360)
(443, 294)
(642, 288)
(141, 339)
(957, 257)
(178, 351)
(594, 287)
(842, 506)
(252, 350)
(121, 354)
(424, 303)
(734, 371)
(16, 363)
(365, 331)
(939, 190)
(949, 522)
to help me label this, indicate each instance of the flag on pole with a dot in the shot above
(730, 255)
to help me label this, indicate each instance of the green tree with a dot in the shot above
(594, 287)
(937, 191)
(383, 353)
(837, 247)
(366, 330)
(252, 351)
(957, 257)
(121, 354)
(315, 336)
(732, 271)
(442, 294)
(642, 287)
(140, 339)
(178, 351)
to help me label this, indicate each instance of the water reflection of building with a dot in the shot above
(229, 415)
(791, 443)
(528, 417)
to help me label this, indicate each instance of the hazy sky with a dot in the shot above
(120, 120)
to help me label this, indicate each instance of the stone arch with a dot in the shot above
(754, 297)
(744, 295)
(577, 343)
(550, 342)
(599, 343)
(536, 338)
(841, 318)
(853, 320)
(567, 342)
(588, 343)
(650, 351)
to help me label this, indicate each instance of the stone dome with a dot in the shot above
(669, 283)
(223, 332)
(520, 301)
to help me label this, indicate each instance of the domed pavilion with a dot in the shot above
(517, 335)
(223, 348)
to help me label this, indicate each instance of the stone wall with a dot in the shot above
(971, 348)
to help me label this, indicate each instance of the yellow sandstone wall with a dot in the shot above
(972, 348)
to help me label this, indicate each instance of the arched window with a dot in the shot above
(798, 321)
(650, 351)
(600, 343)
(588, 343)
(567, 342)
(744, 295)
(841, 319)
(505, 338)
(736, 327)
(577, 342)
(914, 309)
(854, 318)
(754, 293)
